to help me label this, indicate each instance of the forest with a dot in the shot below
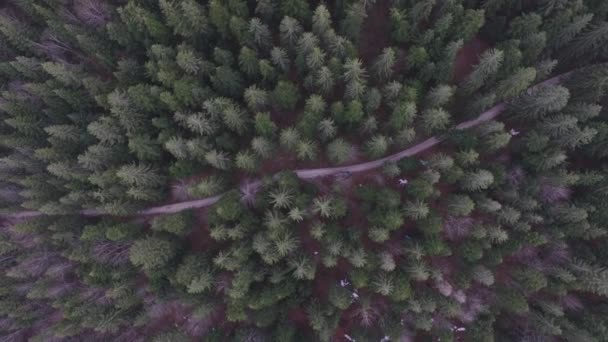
(303, 170)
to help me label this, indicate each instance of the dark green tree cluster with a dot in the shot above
(495, 233)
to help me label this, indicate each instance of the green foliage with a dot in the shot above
(488, 65)
(178, 224)
(459, 205)
(540, 101)
(377, 146)
(477, 180)
(339, 151)
(434, 120)
(285, 96)
(152, 253)
(107, 108)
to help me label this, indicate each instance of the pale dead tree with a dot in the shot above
(180, 191)
(459, 296)
(571, 302)
(366, 312)
(60, 289)
(558, 255)
(54, 48)
(172, 308)
(515, 176)
(444, 288)
(113, 253)
(476, 304)
(457, 228)
(34, 266)
(91, 12)
(69, 16)
(249, 190)
(554, 193)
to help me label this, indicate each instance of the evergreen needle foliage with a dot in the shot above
(219, 170)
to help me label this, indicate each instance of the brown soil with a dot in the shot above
(199, 237)
(467, 57)
(375, 32)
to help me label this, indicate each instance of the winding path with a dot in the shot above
(488, 115)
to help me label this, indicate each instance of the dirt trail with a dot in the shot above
(488, 115)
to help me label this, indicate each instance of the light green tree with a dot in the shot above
(152, 253)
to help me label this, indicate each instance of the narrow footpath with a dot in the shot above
(488, 115)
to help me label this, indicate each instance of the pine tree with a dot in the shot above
(290, 30)
(298, 9)
(434, 120)
(290, 138)
(262, 147)
(152, 253)
(188, 61)
(516, 83)
(218, 159)
(384, 63)
(178, 224)
(586, 45)
(487, 67)
(416, 210)
(399, 25)
(325, 79)
(234, 118)
(140, 175)
(279, 57)
(564, 35)
(439, 95)
(306, 150)
(256, 98)
(339, 297)
(540, 101)
(352, 22)
(339, 151)
(589, 84)
(285, 96)
(477, 180)
(468, 26)
(327, 129)
(246, 160)
(260, 33)
(377, 146)
(403, 115)
(303, 268)
(194, 274)
(281, 198)
(460, 205)
(383, 284)
(315, 59)
(321, 21)
(248, 62)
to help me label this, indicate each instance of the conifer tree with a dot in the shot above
(487, 67)
(152, 253)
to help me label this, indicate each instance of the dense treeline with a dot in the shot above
(497, 234)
